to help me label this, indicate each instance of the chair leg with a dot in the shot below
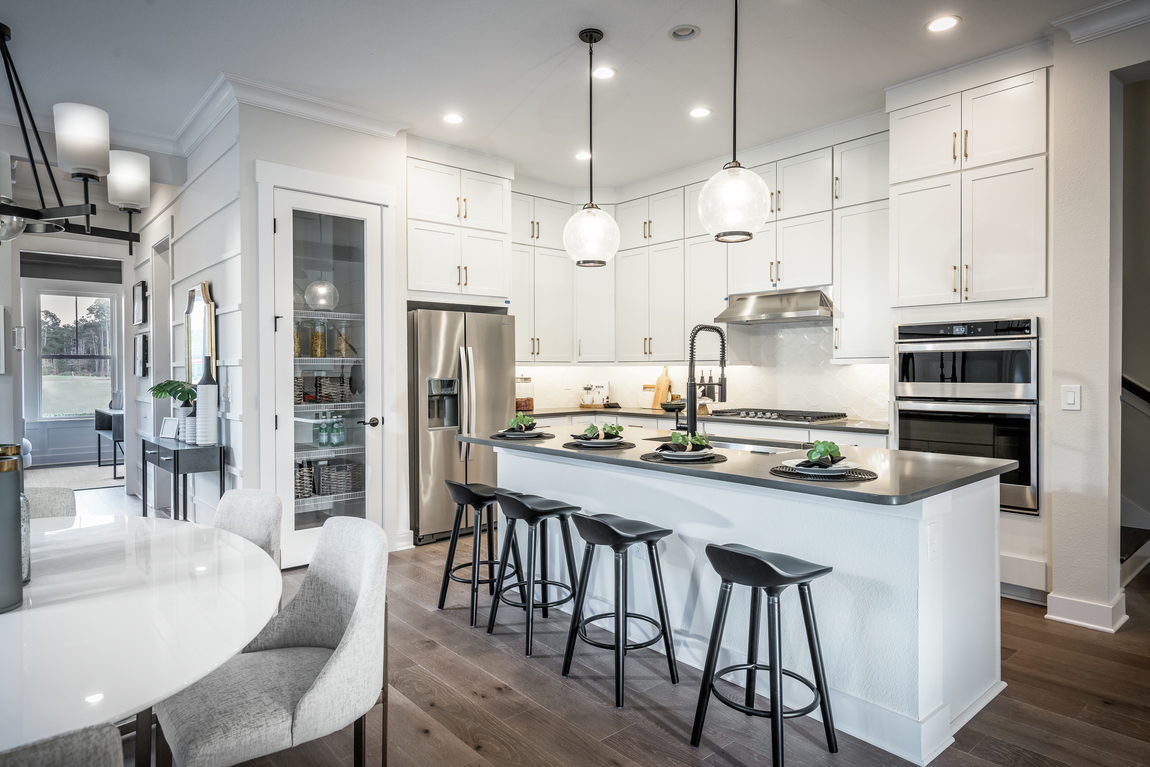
(817, 663)
(163, 750)
(569, 551)
(144, 737)
(620, 623)
(775, 653)
(517, 560)
(577, 608)
(711, 662)
(664, 617)
(491, 547)
(476, 547)
(450, 555)
(360, 742)
(753, 647)
(508, 546)
(532, 535)
(544, 571)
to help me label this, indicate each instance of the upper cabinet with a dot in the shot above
(706, 290)
(447, 195)
(862, 317)
(862, 169)
(595, 313)
(538, 221)
(543, 304)
(649, 304)
(925, 241)
(804, 184)
(803, 257)
(651, 220)
(924, 139)
(751, 264)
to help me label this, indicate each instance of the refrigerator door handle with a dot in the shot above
(471, 398)
(464, 403)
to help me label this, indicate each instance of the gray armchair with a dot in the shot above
(96, 746)
(315, 668)
(252, 514)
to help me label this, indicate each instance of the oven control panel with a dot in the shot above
(1026, 327)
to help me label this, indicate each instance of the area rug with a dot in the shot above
(86, 477)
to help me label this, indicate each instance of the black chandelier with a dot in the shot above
(82, 148)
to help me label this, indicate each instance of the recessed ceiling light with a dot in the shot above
(94, 699)
(682, 32)
(583, 156)
(604, 73)
(700, 112)
(943, 23)
(452, 119)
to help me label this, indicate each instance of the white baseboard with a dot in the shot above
(1135, 564)
(403, 540)
(1092, 615)
(1023, 594)
(1023, 571)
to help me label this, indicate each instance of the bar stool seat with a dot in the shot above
(773, 573)
(620, 534)
(534, 511)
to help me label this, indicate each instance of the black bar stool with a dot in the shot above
(773, 573)
(478, 497)
(620, 534)
(535, 511)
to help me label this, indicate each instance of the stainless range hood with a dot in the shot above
(806, 305)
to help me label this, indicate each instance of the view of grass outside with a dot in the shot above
(75, 355)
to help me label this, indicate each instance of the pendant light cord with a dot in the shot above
(735, 89)
(591, 123)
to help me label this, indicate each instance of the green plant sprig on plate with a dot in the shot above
(822, 449)
(521, 422)
(692, 441)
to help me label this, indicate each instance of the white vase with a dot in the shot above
(189, 435)
(182, 413)
(207, 420)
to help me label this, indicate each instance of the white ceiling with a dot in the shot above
(514, 69)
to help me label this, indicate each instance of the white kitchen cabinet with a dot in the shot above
(925, 241)
(632, 289)
(860, 439)
(757, 431)
(667, 303)
(667, 424)
(1004, 231)
(862, 170)
(804, 256)
(665, 216)
(706, 291)
(692, 226)
(601, 419)
(751, 264)
(433, 192)
(486, 201)
(523, 301)
(486, 261)
(924, 139)
(1004, 120)
(552, 422)
(638, 422)
(631, 216)
(595, 313)
(554, 306)
(804, 184)
(863, 321)
(433, 257)
(550, 218)
(522, 219)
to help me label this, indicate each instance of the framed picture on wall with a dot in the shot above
(140, 303)
(140, 355)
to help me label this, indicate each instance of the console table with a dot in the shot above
(109, 426)
(181, 459)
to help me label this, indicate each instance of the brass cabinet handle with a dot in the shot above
(465, 207)
(779, 201)
(650, 344)
(836, 338)
(580, 352)
(457, 207)
(953, 145)
(650, 233)
(539, 345)
(644, 230)
(458, 275)
(953, 278)
(772, 271)
(965, 133)
(772, 202)
(465, 273)
(836, 189)
(779, 270)
(966, 278)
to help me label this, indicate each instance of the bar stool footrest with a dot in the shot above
(760, 711)
(482, 562)
(629, 646)
(524, 584)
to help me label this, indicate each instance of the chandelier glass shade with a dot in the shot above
(82, 139)
(129, 180)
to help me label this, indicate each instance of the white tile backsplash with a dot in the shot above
(790, 368)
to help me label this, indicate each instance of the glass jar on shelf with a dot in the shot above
(296, 350)
(343, 347)
(319, 338)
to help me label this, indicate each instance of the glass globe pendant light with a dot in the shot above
(591, 236)
(735, 202)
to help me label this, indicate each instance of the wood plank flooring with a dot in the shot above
(461, 698)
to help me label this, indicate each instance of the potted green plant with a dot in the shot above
(181, 391)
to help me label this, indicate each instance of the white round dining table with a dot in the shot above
(121, 613)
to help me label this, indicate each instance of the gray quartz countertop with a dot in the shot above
(850, 424)
(903, 476)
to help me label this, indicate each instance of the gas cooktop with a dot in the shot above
(759, 414)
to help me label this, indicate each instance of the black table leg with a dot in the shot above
(144, 478)
(185, 477)
(221, 472)
(114, 464)
(100, 455)
(144, 738)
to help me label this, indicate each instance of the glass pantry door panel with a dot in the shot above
(329, 349)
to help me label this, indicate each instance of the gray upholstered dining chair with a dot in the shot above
(252, 514)
(96, 746)
(316, 667)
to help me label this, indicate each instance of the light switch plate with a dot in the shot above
(1072, 397)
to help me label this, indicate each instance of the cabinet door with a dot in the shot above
(706, 291)
(692, 226)
(523, 301)
(550, 217)
(522, 219)
(486, 201)
(1004, 231)
(486, 261)
(862, 169)
(632, 283)
(595, 313)
(768, 173)
(924, 139)
(751, 264)
(433, 253)
(667, 303)
(804, 184)
(632, 219)
(665, 214)
(925, 237)
(433, 192)
(1004, 120)
(554, 306)
(804, 257)
(862, 317)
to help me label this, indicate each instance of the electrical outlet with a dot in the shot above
(641, 552)
(933, 541)
(567, 386)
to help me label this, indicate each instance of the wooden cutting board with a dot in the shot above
(662, 389)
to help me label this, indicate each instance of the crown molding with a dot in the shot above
(1103, 19)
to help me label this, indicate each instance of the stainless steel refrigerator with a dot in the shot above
(461, 378)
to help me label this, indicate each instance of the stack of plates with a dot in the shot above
(842, 467)
(692, 455)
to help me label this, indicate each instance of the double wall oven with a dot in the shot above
(971, 388)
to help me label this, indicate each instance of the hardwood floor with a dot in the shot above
(461, 698)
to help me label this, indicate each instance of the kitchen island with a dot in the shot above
(909, 618)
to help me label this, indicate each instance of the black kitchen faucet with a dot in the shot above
(692, 388)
